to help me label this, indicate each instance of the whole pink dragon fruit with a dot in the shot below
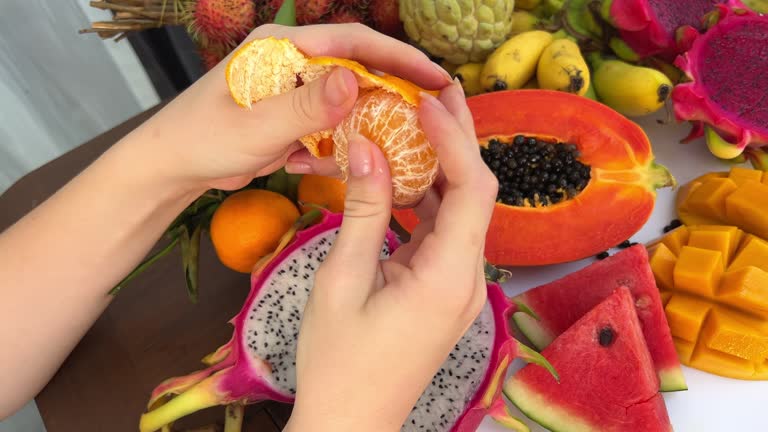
(727, 95)
(662, 28)
(258, 363)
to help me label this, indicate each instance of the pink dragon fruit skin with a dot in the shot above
(724, 66)
(236, 374)
(662, 28)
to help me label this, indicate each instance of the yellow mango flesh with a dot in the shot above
(714, 287)
(737, 198)
(739, 175)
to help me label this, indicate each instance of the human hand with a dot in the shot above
(374, 333)
(214, 143)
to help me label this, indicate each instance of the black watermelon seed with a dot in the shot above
(602, 255)
(605, 336)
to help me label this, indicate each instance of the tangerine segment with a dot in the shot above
(392, 123)
(386, 106)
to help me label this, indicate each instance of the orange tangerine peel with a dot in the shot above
(385, 112)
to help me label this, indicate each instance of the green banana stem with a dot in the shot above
(286, 15)
(594, 59)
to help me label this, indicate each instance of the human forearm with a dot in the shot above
(57, 263)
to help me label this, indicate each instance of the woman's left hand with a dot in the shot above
(215, 143)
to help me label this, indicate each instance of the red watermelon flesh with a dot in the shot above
(562, 302)
(607, 379)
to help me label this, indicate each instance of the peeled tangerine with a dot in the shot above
(714, 284)
(385, 111)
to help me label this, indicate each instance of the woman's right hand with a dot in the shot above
(375, 332)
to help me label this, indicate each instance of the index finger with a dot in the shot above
(364, 45)
(469, 188)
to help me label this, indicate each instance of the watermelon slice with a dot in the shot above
(607, 378)
(560, 303)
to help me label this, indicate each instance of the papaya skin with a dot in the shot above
(614, 205)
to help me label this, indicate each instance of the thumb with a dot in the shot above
(367, 208)
(318, 105)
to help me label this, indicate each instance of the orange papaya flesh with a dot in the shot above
(714, 285)
(738, 197)
(614, 204)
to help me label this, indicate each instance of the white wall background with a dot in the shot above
(58, 89)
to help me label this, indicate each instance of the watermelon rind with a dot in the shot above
(596, 383)
(538, 332)
(532, 329)
(672, 378)
(552, 417)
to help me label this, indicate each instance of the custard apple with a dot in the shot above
(459, 31)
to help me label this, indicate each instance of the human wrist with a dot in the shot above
(152, 168)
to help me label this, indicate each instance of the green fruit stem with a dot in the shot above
(286, 15)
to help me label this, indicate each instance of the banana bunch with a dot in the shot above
(531, 59)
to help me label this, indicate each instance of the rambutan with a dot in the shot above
(386, 17)
(311, 11)
(226, 22)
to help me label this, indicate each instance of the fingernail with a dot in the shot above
(298, 168)
(337, 88)
(457, 88)
(442, 71)
(431, 100)
(360, 157)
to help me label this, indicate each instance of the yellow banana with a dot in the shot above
(629, 89)
(469, 76)
(523, 21)
(514, 62)
(562, 67)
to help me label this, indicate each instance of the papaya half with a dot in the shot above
(575, 177)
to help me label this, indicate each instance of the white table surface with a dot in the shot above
(711, 403)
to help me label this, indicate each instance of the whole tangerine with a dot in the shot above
(248, 225)
(323, 191)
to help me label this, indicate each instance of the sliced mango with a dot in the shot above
(754, 252)
(663, 265)
(686, 315)
(748, 206)
(676, 239)
(724, 240)
(698, 271)
(714, 286)
(738, 198)
(746, 288)
(735, 335)
(739, 175)
(709, 198)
